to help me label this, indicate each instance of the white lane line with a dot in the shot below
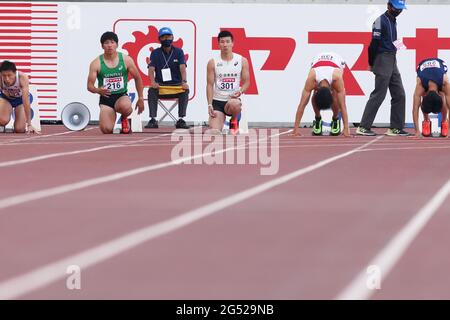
(39, 136)
(386, 259)
(49, 273)
(81, 142)
(41, 194)
(162, 144)
(69, 153)
(407, 148)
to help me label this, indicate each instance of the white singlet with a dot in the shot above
(228, 77)
(324, 65)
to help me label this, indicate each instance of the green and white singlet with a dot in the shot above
(114, 79)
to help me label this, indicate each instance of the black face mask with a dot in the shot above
(395, 12)
(166, 43)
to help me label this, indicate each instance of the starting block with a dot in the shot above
(435, 124)
(327, 117)
(243, 124)
(134, 118)
(435, 119)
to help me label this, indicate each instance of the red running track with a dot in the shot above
(305, 237)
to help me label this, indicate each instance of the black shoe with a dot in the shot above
(152, 124)
(181, 124)
(365, 132)
(396, 132)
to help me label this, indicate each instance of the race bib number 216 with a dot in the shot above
(113, 84)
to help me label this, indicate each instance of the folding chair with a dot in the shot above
(169, 90)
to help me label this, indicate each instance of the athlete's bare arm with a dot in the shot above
(339, 88)
(310, 84)
(417, 100)
(132, 69)
(446, 90)
(245, 79)
(94, 68)
(210, 77)
(25, 85)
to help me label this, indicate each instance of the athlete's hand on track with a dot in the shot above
(31, 129)
(140, 105)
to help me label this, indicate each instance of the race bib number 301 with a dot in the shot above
(114, 83)
(227, 84)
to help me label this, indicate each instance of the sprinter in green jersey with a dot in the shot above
(111, 71)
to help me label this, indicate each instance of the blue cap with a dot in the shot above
(398, 4)
(164, 31)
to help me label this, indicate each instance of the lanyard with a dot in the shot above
(167, 60)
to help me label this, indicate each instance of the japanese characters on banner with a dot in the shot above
(278, 40)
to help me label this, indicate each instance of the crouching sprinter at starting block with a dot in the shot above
(432, 94)
(15, 96)
(326, 80)
(111, 70)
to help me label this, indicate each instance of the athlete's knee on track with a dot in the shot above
(233, 107)
(106, 129)
(4, 120)
(123, 106)
(19, 129)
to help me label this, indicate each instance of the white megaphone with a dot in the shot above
(75, 116)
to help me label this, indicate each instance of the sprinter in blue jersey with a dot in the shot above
(432, 94)
(15, 97)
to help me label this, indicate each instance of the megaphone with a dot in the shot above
(75, 116)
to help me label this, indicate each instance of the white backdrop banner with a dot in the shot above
(278, 40)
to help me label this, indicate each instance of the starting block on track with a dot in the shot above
(435, 119)
(243, 124)
(327, 117)
(435, 124)
(134, 118)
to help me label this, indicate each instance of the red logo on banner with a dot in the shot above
(280, 52)
(426, 43)
(141, 41)
(352, 87)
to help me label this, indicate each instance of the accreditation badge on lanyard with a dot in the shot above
(166, 74)
(399, 44)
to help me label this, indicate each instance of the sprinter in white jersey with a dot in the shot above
(15, 96)
(326, 80)
(228, 78)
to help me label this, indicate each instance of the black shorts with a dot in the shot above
(220, 106)
(111, 100)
